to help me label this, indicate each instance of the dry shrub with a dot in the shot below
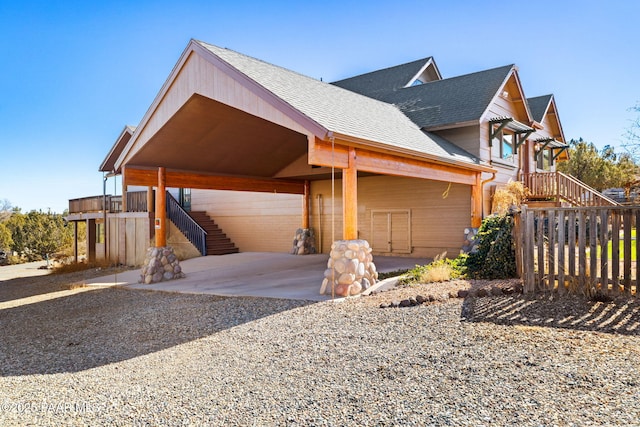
(437, 273)
(79, 266)
(513, 194)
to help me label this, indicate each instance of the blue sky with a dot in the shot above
(74, 73)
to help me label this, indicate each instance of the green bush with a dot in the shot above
(495, 256)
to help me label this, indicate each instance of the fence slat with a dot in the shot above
(551, 239)
(571, 241)
(582, 264)
(593, 247)
(541, 264)
(529, 248)
(627, 251)
(604, 252)
(615, 250)
(637, 278)
(561, 251)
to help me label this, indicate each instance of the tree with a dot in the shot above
(600, 170)
(5, 209)
(6, 241)
(632, 136)
(38, 234)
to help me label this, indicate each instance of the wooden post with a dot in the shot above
(150, 207)
(305, 204)
(161, 236)
(350, 198)
(124, 189)
(75, 239)
(476, 202)
(91, 240)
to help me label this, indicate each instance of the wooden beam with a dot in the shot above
(178, 179)
(305, 204)
(476, 202)
(321, 154)
(350, 198)
(161, 215)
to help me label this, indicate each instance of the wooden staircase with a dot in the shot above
(558, 189)
(216, 241)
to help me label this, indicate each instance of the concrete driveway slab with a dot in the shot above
(255, 274)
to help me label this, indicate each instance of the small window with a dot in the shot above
(544, 160)
(100, 232)
(503, 145)
(417, 82)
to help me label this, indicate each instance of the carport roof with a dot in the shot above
(344, 114)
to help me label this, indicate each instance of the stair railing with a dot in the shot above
(562, 186)
(187, 225)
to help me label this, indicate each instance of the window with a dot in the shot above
(100, 232)
(503, 145)
(544, 160)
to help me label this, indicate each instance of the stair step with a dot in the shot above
(217, 241)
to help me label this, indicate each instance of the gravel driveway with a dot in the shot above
(113, 356)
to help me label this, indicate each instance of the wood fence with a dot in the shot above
(582, 250)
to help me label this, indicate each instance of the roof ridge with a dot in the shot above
(422, 61)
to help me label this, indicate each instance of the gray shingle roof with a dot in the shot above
(377, 84)
(448, 101)
(342, 111)
(538, 106)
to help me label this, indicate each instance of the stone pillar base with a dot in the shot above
(160, 264)
(470, 240)
(350, 268)
(304, 242)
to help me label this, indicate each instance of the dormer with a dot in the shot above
(428, 73)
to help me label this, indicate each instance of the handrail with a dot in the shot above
(189, 227)
(562, 186)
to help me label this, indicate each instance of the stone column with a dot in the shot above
(350, 269)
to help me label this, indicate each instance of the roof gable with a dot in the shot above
(538, 106)
(377, 84)
(544, 107)
(108, 164)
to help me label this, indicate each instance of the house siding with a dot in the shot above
(267, 222)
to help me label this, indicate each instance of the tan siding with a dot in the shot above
(255, 222)
(467, 138)
(438, 217)
(200, 76)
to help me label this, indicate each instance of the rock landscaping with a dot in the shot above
(160, 264)
(304, 242)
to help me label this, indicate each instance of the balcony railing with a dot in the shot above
(136, 202)
(561, 187)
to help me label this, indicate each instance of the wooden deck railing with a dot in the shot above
(136, 202)
(561, 187)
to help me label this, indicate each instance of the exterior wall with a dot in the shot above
(507, 170)
(467, 138)
(267, 222)
(439, 212)
(182, 247)
(128, 237)
(255, 222)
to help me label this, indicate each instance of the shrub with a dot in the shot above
(513, 194)
(495, 256)
(441, 269)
